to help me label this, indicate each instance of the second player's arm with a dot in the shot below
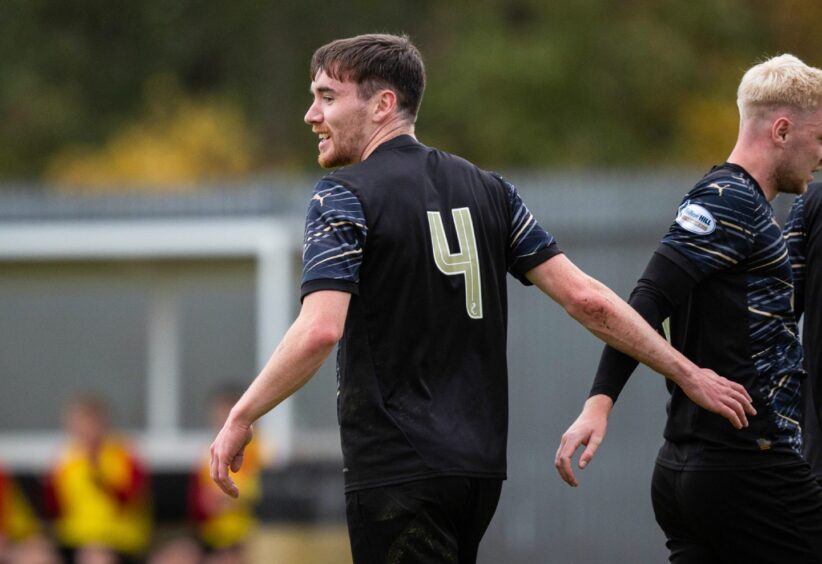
(606, 315)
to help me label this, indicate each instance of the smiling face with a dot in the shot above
(340, 117)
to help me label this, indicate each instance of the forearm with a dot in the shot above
(296, 359)
(304, 348)
(623, 328)
(603, 313)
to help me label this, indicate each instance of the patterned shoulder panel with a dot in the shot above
(335, 234)
(716, 224)
(526, 237)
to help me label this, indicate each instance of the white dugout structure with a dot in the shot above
(150, 308)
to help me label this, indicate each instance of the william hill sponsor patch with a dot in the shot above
(695, 218)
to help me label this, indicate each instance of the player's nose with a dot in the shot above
(313, 115)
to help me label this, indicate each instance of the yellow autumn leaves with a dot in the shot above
(179, 141)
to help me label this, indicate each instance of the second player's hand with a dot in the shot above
(588, 430)
(227, 454)
(719, 395)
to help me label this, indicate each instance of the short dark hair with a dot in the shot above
(374, 62)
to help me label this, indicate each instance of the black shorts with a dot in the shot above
(438, 520)
(763, 515)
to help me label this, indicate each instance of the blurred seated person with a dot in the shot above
(18, 523)
(97, 492)
(224, 524)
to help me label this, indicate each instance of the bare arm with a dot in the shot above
(603, 313)
(608, 317)
(304, 348)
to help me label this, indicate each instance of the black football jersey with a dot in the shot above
(422, 240)
(738, 321)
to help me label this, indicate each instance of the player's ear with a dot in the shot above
(385, 104)
(780, 128)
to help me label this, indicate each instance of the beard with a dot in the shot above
(347, 143)
(787, 181)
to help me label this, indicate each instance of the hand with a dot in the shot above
(711, 391)
(589, 430)
(227, 453)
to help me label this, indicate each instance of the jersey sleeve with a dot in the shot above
(335, 233)
(712, 229)
(795, 235)
(663, 286)
(529, 245)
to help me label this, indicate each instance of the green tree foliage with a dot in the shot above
(512, 83)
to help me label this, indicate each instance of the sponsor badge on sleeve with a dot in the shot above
(695, 218)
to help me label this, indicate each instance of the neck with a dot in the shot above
(385, 132)
(758, 163)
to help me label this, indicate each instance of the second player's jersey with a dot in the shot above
(803, 234)
(423, 241)
(738, 321)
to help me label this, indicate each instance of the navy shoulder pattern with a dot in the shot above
(715, 224)
(335, 234)
(526, 238)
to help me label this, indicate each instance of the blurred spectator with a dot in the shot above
(224, 524)
(18, 522)
(98, 491)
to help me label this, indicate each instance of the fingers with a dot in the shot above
(741, 389)
(220, 474)
(736, 405)
(747, 400)
(563, 458)
(237, 462)
(740, 402)
(726, 398)
(731, 415)
(590, 450)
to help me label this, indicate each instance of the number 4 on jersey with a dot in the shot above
(465, 262)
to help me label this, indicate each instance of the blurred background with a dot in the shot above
(154, 173)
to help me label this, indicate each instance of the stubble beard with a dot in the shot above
(347, 143)
(787, 182)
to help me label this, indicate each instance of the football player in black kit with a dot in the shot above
(803, 234)
(405, 259)
(722, 276)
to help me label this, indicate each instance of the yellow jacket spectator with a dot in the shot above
(97, 492)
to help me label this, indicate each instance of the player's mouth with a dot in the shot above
(324, 140)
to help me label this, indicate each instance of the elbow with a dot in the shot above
(589, 307)
(323, 336)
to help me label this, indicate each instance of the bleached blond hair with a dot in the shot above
(782, 81)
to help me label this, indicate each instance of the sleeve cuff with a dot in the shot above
(522, 265)
(328, 284)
